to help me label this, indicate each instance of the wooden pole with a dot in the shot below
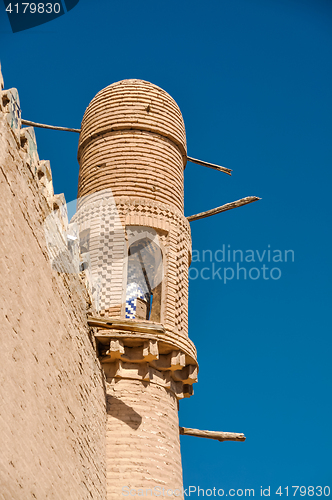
(223, 208)
(40, 125)
(126, 324)
(210, 165)
(78, 131)
(218, 435)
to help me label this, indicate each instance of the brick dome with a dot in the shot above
(133, 142)
(134, 104)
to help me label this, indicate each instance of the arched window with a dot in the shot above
(144, 280)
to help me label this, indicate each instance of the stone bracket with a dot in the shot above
(149, 360)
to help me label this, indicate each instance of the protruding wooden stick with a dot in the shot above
(224, 208)
(210, 165)
(218, 435)
(125, 324)
(40, 125)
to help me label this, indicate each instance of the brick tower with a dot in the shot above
(136, 245)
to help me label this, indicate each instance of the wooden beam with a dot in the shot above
(210, 165)
(41, 125)
(125, 324)
(223, 208)
(218, 435)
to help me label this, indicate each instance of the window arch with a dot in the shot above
(144, 280)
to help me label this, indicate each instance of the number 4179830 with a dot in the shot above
(303, 491)
(34, 8)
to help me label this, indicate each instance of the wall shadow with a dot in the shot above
(120, 410)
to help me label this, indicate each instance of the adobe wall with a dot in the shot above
(52, 399)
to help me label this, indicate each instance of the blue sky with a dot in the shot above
(253, 81)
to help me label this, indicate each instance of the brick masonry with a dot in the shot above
(132, 152)
(143, 437)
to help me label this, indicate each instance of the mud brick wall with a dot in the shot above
(52, 398)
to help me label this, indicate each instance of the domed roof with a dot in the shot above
(134, 104)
